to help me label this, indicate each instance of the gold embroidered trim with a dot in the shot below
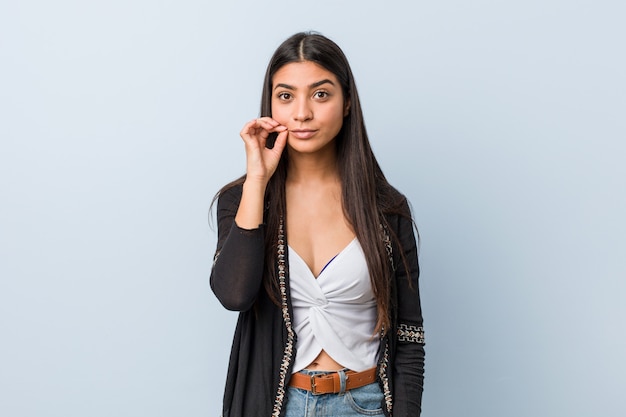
(411, 334)
(288, 352)
(384, 377)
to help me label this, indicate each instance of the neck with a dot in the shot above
(318, 167)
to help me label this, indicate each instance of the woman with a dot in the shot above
(330, 320)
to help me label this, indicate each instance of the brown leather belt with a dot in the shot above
(330, 383)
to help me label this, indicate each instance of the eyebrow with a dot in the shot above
(314, 85)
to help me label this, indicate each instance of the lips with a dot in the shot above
(302, 133)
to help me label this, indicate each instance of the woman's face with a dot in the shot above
(308, 100)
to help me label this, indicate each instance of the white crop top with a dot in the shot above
(336, 311)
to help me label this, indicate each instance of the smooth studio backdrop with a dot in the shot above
(502, 121)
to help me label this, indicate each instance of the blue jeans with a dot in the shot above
(363, 401)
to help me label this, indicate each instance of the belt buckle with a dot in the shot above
(313, 391)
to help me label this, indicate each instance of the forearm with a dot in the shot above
(250, 212)
(408, 380)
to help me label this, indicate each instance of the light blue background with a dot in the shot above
(502, 121)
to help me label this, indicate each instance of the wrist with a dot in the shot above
(252, 184)
(250, 212)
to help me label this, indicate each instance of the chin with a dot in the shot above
(310, 147)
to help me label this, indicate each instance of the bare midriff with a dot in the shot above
(324, 362)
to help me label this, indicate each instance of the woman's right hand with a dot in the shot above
(261, 162)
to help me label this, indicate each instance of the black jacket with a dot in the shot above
(263, 348)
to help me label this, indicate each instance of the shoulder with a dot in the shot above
(393, 203)
(229, 196)
(399, 218)
(231, 191)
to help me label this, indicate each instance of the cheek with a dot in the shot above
(335, 116)
(279, 111)
(279, 114)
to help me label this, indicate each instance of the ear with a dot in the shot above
(346, 108)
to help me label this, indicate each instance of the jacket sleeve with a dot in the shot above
(238, 263)
(408, 367)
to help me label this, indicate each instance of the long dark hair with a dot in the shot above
(366, 195)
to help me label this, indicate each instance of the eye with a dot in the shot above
(321, 94)
(284, 96)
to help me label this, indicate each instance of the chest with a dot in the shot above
(317, 228)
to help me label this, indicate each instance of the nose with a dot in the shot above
(303, 111)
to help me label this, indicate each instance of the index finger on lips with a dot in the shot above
(267, 123)
(262, 126)
(271, 125)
